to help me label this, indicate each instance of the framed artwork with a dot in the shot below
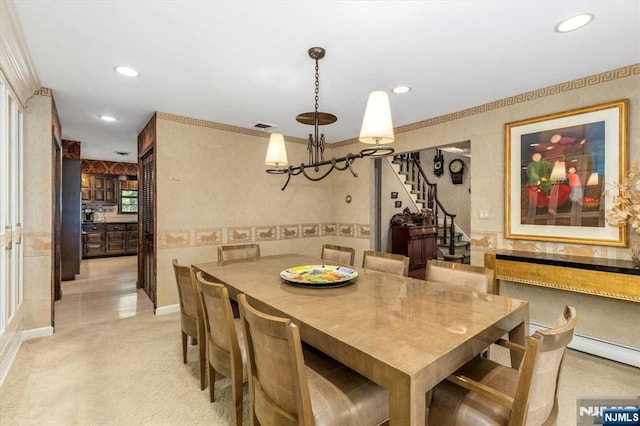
(398, 204)
(557, 169)
(394, 195)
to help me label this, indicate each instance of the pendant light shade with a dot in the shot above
(377, 126)
(276, 152)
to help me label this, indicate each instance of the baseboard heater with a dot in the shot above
(599, 347)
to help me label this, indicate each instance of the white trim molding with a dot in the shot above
(169, 309)
(9, 355)
(599, 347)
(15, 61)
(34, 333)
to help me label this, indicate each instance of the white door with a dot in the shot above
(11, 198)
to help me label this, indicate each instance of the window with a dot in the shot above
(128, 196)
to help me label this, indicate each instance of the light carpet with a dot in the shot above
(123, 372)
(130, 372)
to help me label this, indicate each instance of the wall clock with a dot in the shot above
(456, 168)
(438, 164)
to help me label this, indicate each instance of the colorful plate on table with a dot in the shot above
(319, 276)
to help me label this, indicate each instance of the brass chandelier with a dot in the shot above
(377, 129)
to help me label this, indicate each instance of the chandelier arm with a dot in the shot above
(348, 161)
(286, 183)
(315, 179)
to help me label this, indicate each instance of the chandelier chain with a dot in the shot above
(317, 85)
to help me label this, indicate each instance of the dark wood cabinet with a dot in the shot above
(99, 188)
(116, 238)
(109, 239)
(93, 240)
(71, 220)
(419, 243)
(132, 238)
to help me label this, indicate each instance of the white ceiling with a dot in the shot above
(241, 62)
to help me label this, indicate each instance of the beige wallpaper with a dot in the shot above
(212, 190)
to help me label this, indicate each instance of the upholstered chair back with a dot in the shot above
(477, 278)
(386, 262)
(544, 358)
(238, 253)
(338, 255)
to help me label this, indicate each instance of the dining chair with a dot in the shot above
(485, 392)
(338, 254)
(191, 320)
(478, 278)
(283, 390)
(238, 253)
(397, 264)
(225, 340)
(475, 278)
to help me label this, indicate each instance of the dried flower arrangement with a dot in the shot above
(625, 209)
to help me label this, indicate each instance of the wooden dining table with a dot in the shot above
(402, 333)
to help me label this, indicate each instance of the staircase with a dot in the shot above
(461, 247)
(453, 245)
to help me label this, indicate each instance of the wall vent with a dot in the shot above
(264, 126)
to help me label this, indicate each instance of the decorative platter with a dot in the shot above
(319, 276)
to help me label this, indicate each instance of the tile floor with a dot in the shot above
(104, 290)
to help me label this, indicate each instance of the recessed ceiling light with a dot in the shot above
(107, 118)
(574, 23)
(126, 71)
(399, 90)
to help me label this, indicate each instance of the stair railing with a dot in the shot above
(410, 162)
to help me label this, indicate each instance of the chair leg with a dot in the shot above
(237, 397)
(202, 360)
(184, 347)
(212, 383)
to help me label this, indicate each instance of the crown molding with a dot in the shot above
(15, 62)
(220, 126)
(592, 80)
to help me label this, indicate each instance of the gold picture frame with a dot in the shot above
(557, 168)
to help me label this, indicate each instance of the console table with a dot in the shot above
(616, 279)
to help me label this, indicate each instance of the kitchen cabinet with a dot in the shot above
(109, 239)
(93, 240)
(132, 238)
(99, 188)
(116, 237)
(417, 242)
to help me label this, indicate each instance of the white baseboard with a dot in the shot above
(34, 333)
(170, 309)
(9, 356)
(599, 347)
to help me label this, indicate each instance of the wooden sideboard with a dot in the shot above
(417, 242)
(616, 279)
